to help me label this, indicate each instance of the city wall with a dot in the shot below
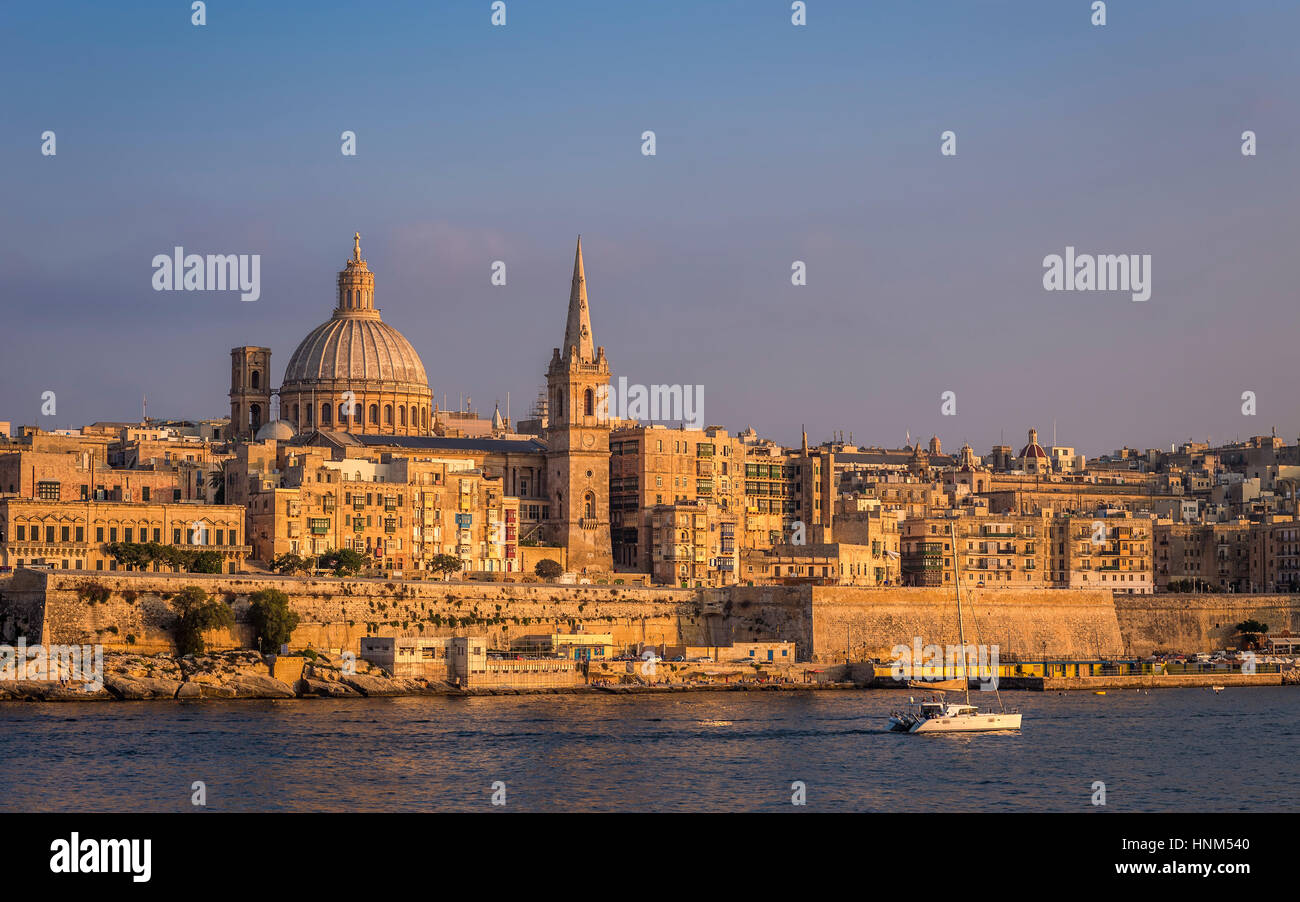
(1027, 623)
(1152, 623)
(61, 608)
(828, 624)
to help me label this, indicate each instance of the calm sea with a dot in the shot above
(1170, 750)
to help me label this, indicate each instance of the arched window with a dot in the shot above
(254, 416)
(589, 403)
(589, 506)
(325, 415)
(295, 415)
(343, 413)
(401, 416)
(415, 415)
(257, 379)
(308, 414)
(559, 403)
(388, 414)
(374, 414)
(424, 418)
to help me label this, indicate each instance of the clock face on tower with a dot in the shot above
(588, 440)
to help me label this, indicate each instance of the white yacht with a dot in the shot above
(936, 716)
(941, 717)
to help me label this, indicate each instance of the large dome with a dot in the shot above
(354, 372)
(356, 348)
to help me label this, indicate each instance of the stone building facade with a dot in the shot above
(70, 535)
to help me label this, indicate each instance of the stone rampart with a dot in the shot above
(131, 611)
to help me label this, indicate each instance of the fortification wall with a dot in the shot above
(338, 613)
(1190, 623)
(828, 624)
(22, 604)
(865, 623)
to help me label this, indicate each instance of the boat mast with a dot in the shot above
(961, 628)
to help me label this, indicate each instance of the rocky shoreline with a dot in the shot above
(250, 675)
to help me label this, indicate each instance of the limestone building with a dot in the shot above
(355, 390)
(71, 535)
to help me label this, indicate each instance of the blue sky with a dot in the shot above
(775, 144)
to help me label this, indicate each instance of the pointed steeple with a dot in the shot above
(577, 330)
(498, 424)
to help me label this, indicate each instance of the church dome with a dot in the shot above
(354, 372)
(1033, 449)
(350, 347)
(276, 429)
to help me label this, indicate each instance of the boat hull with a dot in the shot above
(968, 723)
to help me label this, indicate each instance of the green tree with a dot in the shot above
(273, 622)
(217, 482)
(548, 569)
(446, 564)
(343, 561)
(205, 562)
(1251, 631)
(131, 555)
(196, 613)
(290, 563)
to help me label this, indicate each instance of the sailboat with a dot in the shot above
(941, 717)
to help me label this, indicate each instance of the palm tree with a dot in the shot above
(217, 482)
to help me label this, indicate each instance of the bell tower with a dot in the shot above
(250, 391)
(577, 438)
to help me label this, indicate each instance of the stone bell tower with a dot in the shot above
(577, 438)
(250, 391)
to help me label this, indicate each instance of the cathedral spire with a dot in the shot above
(577, 330)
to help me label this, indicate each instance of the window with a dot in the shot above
(47, 490)
(99, 533)
(374, 414)
(81, 533)
(20, 533)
